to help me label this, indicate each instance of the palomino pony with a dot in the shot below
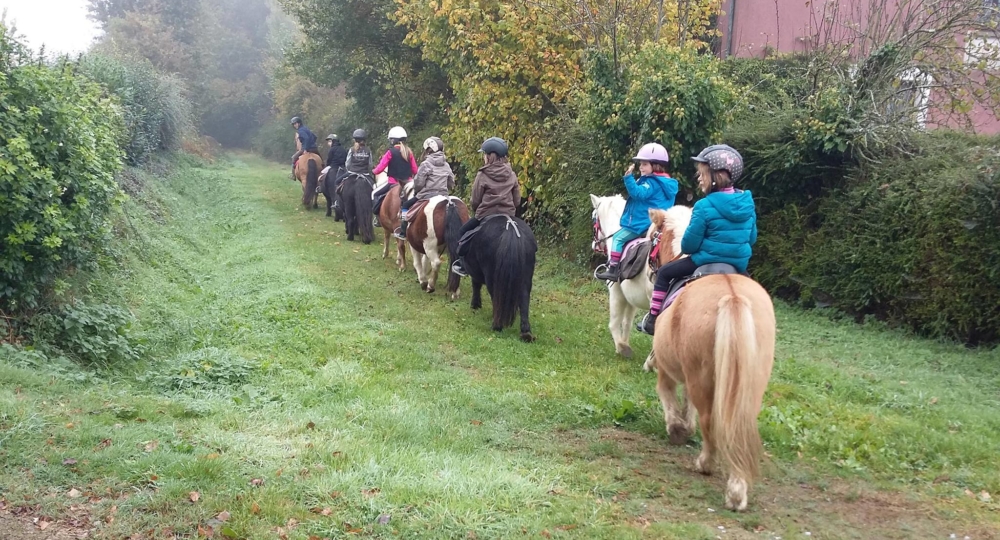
(502, 255)
(630, 295)
(307, 173)
(389, 217)
(357, 195)
(717, 339)
(436, 227)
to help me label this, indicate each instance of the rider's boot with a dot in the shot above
(400, 232)
(647, 325)
(610, 273)
(459, 268)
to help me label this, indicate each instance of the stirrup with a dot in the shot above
(376, 223)
(398, 233)
(605, 271)
(457, 268)
(647, 325)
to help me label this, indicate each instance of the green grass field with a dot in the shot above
(299, 386)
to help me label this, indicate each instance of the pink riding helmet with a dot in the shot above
(652, 152)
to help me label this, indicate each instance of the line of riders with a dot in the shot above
(722, 229)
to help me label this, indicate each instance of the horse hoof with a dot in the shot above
(703, 465)
(430, 290)
(423, 286)
(736, 494)
(527, 337)
(625, 351)
(454, 296)
(678, 434)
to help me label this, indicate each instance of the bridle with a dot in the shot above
(600, 239)
(654, 251)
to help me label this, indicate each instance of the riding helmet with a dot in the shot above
(332, 137)
(494, 145)
(296, 120)
(653, 153)
(434, 144)
(722, 157)
(397, 134)
(360, 135)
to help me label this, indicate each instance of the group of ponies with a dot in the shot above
(502, 257)
(716, 339)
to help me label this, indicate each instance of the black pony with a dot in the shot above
(357, 197)
(334, 201)
(502, 255)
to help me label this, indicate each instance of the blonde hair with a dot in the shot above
(404, 150)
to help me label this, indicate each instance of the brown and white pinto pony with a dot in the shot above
(307, 170)
(717, 339)
(436, 227)
(389, 217)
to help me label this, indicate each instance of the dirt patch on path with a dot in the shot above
(31, 528)
(658, 483)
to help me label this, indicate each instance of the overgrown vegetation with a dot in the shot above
(57, 175)
(154, 106)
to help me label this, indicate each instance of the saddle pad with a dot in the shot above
(705, 270)
(411, 213)
(635, 257)
(468, 236)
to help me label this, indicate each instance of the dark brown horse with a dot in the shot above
(435, 227)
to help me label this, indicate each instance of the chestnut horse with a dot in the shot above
(435, 228)
(717, 339)
(307, 170)
(389, 217)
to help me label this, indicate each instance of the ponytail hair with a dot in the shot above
(404, 150)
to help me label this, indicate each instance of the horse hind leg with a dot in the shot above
(418, 265)
(387, 235)
(400, 255)
(432, 264)
(525, 302)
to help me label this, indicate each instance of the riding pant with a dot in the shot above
(618, 241)
(667, 273)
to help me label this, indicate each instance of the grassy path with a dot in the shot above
(297, 386)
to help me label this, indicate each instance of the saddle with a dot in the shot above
(677, 285)
(343, 180)
(467, 237)
(411, 213)
(634, 259)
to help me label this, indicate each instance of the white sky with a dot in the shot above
(62, 25)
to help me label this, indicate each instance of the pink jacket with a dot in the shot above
(384, 163)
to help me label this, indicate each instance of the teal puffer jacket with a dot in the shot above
(722, 229)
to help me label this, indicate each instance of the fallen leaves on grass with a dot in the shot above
(69, 461)
(74, 494)
(194, 496)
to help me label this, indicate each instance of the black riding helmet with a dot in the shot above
(360, 135)
(332, 137)
(296, 120)
(494, 145)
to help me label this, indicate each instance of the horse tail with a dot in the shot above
(312, 180)
(738, 381)
(452, 234)
(508, 277)
(363, 203)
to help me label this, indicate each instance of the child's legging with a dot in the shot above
(667, 273)
(618, 241)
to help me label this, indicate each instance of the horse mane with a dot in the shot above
(675, 221)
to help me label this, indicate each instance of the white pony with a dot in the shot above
(630, 295)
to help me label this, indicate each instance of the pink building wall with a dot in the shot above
(795, 26)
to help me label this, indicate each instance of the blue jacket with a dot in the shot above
(645, 193)
(307, 138)
(722, 229)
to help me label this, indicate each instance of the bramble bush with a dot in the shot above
(57, 173)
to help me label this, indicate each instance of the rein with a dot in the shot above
(654, 251)
(600, 239)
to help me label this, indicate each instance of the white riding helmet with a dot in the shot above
(397, 133)
(434, 144)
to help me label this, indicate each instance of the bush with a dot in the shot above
(157, 114)
(57, 173)
(92, 334)
(915, 241)
(674, 96)
(276, 141)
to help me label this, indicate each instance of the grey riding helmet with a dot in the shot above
(360, 135)
(722, 157)
(494, 145)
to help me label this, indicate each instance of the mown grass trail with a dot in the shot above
(299, 385)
